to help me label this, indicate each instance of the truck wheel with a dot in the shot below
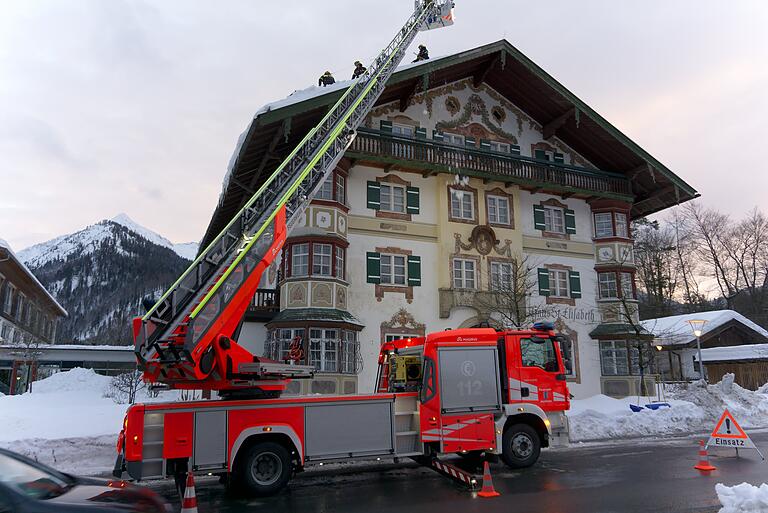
(521, 446)
(265, 469)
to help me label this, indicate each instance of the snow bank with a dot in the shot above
(694, 408)
(743, 498)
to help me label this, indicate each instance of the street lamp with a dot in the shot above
(697, 326)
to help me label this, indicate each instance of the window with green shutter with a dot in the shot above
(412, 200)
(543, 282)
(373, 267)
(559, 158)
(437, 136)
(575, 284)
(538, 218)
(470, 142)
(374, 195)
(421, 133)
(514, 149)
(570, 222)
(540, 155)
(414, 271)
(485, 144)
(385, 126)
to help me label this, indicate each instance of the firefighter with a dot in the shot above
(423, 54)
(359, 70)
(326, 80)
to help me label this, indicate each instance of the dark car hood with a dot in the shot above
(87, 494)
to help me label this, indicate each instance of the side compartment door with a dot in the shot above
(210, 450)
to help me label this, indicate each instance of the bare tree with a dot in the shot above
(123, 388)
(510, 292)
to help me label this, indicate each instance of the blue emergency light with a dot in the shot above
(543, 326)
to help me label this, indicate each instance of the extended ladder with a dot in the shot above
(179, 340)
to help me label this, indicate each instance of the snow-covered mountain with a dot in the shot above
(101, 274)
(90, 237)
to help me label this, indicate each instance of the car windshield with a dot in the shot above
(32, 481)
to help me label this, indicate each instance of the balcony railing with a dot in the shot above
(264, 305)
(440, 157)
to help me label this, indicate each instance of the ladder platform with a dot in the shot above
(277, 369)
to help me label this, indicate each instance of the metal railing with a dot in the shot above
(265, 300)
(514, 168)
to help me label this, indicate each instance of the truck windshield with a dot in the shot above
(539, 352)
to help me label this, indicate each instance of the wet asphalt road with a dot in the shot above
(622, 477)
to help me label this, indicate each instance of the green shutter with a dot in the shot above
(514, 149)
(559, 158)
(538, 218)
(570, 222)
(543, 282)
(540, 155)
(575, 279)
(437, 136)
(485, 144)
(373, 267)
(374, 195)
(412, 200)
(385, 126)
(421, 133)
(470, 142)
(414, 271)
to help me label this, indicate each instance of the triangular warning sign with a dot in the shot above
(728, 433)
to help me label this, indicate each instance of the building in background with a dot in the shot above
(28, 318)
(478, 192)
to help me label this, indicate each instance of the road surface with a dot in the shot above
(622, 477)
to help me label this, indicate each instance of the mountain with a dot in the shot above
(101, 274)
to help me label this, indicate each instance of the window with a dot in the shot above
(607, 284)
(340, 263)
(326, 190)
(391, 337)
(300, 260)
(554, 220)
(403, 130)
(621, 224)
(393, 269)
(463, 273)
(539, 352)
(603, 225)
(323, 345)
(20, 304)
(558, 283)
(341, 182)
(453, 139)
(282, 343)
(498, 210)
(349, 352)
(501, 276)
(462, 205)
(321, 259)
(567, 349)
(499, 147)
(392, 198)
(613, 358)
(627, 291)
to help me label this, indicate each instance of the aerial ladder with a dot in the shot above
(185, 340)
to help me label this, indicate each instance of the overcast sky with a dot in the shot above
(110, 106)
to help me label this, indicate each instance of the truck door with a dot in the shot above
(459, 397)
(540, 375)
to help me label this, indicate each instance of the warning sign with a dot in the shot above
(728, 433)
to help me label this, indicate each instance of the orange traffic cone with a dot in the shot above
(704, 464)
(189, 503)
(488, 490)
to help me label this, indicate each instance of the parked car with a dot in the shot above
(30, 487)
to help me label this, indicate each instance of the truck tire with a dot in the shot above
(265, 469)
(521, 446)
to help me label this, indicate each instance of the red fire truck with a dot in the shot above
(475, 391)
(468, 391)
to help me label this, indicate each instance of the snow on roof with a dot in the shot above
(299, 96)
(675, 330)
(745, 352)
(7, 247)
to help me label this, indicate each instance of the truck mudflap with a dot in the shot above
(117, 472)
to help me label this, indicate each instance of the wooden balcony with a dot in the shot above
(430, 157)
(264, 305)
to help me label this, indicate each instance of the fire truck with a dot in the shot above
(469, 391)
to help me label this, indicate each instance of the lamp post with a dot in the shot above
(697, 326)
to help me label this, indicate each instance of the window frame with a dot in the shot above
(496, 198)
(401, 127)
(328, 346)
(549, 225)
(463, 280)
(555, 286)
(499, 144)
(293, 259)
(601, 282)
(392, 275)
(390, 206)
(450, 139)
(460, 199)
(627, 285)
(323, 256)
(495, 278)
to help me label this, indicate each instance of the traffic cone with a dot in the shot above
(189, 503)
(703, 464)
(488, 490)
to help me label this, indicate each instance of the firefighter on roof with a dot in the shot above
(359, 70)
(326, 80)
(423, 54)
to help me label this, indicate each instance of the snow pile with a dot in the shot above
(743, 498)
(694, 408)
(75, 380)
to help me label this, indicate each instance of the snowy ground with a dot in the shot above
(694, 409)
(68, 422)
(743, 498)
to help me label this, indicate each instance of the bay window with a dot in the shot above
(607, 285)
